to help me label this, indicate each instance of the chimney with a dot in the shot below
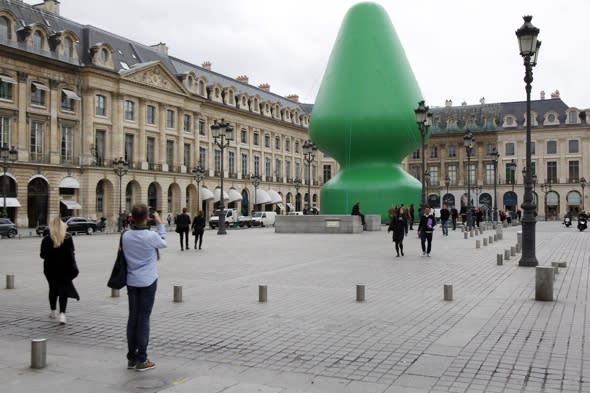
(242, 78)
(50, 6)
(555, 94)
(542, 94)
(293, 97)
(448, 103)
(161, 48)
(264, 86)
(206, 65)
(482, 100)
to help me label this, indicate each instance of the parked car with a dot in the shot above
(264, 219)
(74, 224)
(7, 228)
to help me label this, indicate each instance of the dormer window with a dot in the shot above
(201, 88)
(68, 46)
(572, 117)
(104, 55)
(37, 40)
(4, 28)
(189, 82)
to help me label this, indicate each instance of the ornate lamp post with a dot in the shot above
(546, 187)
(6, 155)
(495, 156)
(529, 50)
(255, 182)
(309, 150)
(512, 167)
(198, 175)
(223, 134)
(297, 183)
(423, 119)
(426, 182)
(468, 143)
(121, 167)
(447, 184)
(583, 185)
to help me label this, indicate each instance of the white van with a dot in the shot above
(264, 219)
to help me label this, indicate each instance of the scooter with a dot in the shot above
(582, 225)
(567, 221)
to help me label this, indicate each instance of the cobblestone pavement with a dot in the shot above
(311, 335)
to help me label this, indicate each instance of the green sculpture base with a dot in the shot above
(377, 188)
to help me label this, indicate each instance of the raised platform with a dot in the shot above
(318, 224)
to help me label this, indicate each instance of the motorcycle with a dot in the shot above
(567, 221)
(582, 225)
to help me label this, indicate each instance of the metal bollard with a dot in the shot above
(481, 231)
(490, 239)
(519, 237)
(38, 353)
(465, 235)
(507, 255)
(512, 251)
(360, 293)
(448, 292)
(10, 281)
(471, 233)
(477, 244)
(485, 241)
(114, 292)
(495, 238)
(178, 294)
(262, 294)
(518, 248)
(544, 283)
(499, 260)
(561, 264)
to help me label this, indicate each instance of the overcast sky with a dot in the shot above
(458, 49)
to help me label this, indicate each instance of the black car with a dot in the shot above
(74, 224)
(7, 228)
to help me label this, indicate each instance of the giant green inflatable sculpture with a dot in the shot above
(364, 116)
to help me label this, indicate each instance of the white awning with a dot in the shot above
(234, 195)
(72, 205)
(280, 205)
(69, 182)
(274, 196)
(7, 79)
(218, 194)
(40, 86)
(10, 202)
(71, 94)
(290, 206)
(206, 194)
(262, 197)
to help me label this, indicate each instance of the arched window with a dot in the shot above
(4, 28)
(68, 47)
(99, 196)
(104, 55)
(38, 40)
(201, 88)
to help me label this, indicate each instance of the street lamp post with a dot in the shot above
(423, 119)
(529, 50)
(255, 182)
(546, 187)
(198, 175)
(309, 150)
(121, 167)
(512, 166)
(426, 182)
(447, 184)
(223, 134)
(6, 155)
(297, 183)
(468, 143)
(495, 156)
(583, 185)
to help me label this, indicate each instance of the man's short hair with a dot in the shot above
(139, 212)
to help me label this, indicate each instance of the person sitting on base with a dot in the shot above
(356, 211)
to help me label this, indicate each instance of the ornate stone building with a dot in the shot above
(560, 137)
(74, 98)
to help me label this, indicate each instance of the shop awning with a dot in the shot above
(290, 206)
(234, 195)
(7, 79)
(217, 194)
(71, 205)
(69, 182)
(274, 196)
(10, 202)
(262, 197)
(40, 86)
(71, 94)
(206, 194)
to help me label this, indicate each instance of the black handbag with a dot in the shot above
(118, 277)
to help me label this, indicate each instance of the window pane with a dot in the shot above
(551, 147)
(573, 146)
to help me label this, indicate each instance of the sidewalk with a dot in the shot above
(311, 336)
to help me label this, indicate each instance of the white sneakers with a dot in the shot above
(53, 314)
(62, 318)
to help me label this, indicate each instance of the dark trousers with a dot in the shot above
(399, 246)
(454, 220)
(183, 235)
(426, 237)
(141, 302)
(199, 237)
(55, 291)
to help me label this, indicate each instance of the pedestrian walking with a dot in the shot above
(444, 220)
(169, 219)
(399, 226)
(140, 246)
(411, 216)
(425, 230)
(59, 267)
(454, 216)
(198, 228)
(183, 224)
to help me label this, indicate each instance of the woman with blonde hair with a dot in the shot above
(59, 267)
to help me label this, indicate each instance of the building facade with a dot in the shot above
(75, 98)
(560, 141)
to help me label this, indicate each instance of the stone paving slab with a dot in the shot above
(311, 336)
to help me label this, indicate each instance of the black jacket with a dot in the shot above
(198, 223)
(59, 265)
(399, 226)
(427, 223)
(183, 222)
(444, 214)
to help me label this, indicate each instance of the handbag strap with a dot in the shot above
(121, 240)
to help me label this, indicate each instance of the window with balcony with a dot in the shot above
(267, 167)
(67, 144)
(452, 151)
(36, 141)
(187, 155)
(288, 173)
(434, 177)
(100, 105)
(170, 153)
(490, 174)
(100, 147)
(151, 150)
(203, 157)
(509, 149)
(217, 162)
(243, 136)
(552, 171)
(278, 168)
(256, 166)
(5, 131)
(452, 172)
(129, 109)
(574, 171)
(245, 167)
(6, 87)
(231, 163)
(327, 173)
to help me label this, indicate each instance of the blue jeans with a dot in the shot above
(141, 302)
(445, 227)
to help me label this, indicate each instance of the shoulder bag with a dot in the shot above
(118, 277)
